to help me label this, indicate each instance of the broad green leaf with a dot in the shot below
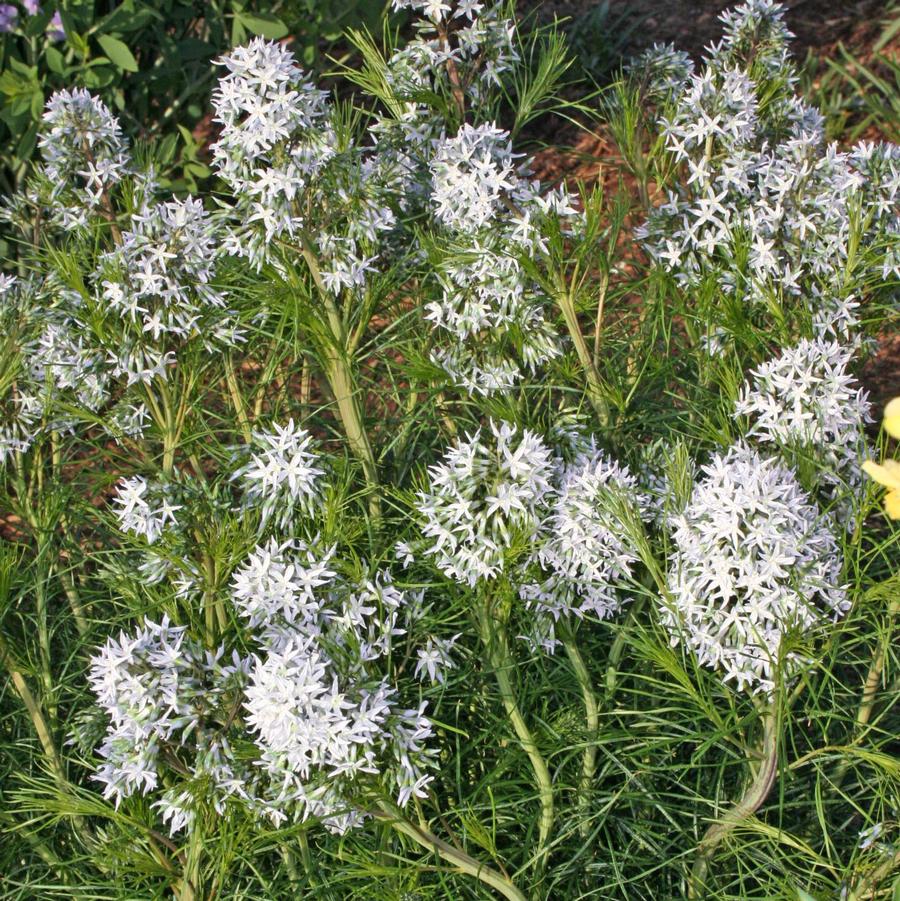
(264, 24)
(118, 53)
(55, 61)
(99, 77)
(36, 25)
(26, 145)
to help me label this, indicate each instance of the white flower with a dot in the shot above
(435, 659)
(82, 145)
(483, 496)
(584, 548)
(280, 476)
(143, 509)
(158, 279)
(762, 186)
(471, 173)
(753, 560)
(275, 140)
(281, 582)
(805, 399)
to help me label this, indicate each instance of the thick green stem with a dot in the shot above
(188, 887)
(454, 856)
(44, 646)
(237, 399)
(74, 600)
(592, 725)
(497, 647)
(34, 711)
(594, 385)
(756, 793)
(170, 439)
(342, 381)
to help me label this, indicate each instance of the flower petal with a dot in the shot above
(892, 418)
(887, 473)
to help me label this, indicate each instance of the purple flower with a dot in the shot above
(32, 7)
(8, 17)
(55, 29)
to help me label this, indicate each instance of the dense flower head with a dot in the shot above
(275, 140)
(489, 490)
(59, 369)
(281, 582)
(471, 173)
(159, 277)
(758, 183)
(491, 316)
(584, 549)
(322, 708)
(662, 70)
(806, 399)
(281, 477)
(754, 33)
(62, 360)
(315, 698)
(753, 560)
(157, 687)
(143, 508)
(82, 144)
(494, 317)
(263, 101)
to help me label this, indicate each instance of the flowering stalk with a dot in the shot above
(594, 385)
(756, 793)
(592, 721)
(496, 643)
(237, 400)
(452, 855)
(34, 712)
(342, 382)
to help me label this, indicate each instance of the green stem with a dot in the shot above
(592, 724)
(594, 384)
(867, 886)
(341, 380)
(188, 887)
(43, 630)
(34, 711)
(756, 793)
(74, 600)
(493, 633)
(869, 692)
(236, 399)
(170, 439)
(454, 856)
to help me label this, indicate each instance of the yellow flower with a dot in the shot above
(892, 418)
(887, 474)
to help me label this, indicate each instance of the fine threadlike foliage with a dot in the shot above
(380, 521)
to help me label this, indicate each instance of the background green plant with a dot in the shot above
(672, 742)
